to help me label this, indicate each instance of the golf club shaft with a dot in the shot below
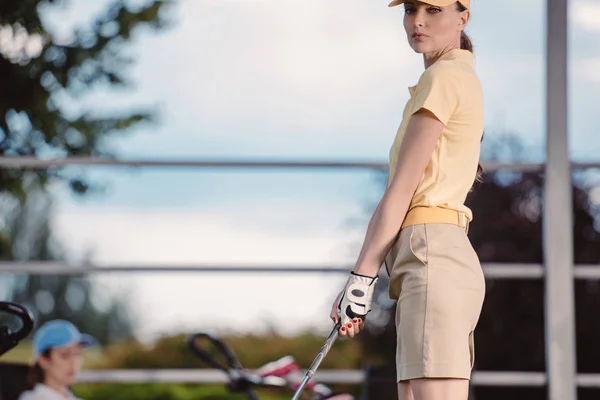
(322, 353)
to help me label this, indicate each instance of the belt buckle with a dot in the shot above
(463, 221)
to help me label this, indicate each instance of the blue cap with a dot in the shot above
(58, 333)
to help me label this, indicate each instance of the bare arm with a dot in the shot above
(419, 142)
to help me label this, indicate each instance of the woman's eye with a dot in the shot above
(434, 10)
(409, 10)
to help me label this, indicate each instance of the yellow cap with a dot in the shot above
(438, 3)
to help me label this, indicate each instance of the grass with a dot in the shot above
(167, 392)
(20, 354)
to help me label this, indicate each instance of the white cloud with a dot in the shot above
(585, 15)
(191, 237)
(265, 68)
(271, 77)
(589, 69)
(172, 301)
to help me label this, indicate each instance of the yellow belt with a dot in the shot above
(436, 215)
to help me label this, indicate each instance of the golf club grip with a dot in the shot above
(324, 350)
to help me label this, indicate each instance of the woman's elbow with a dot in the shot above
(404, 183)
(400, 190)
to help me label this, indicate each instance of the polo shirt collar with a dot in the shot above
(458, 54)
(454, 54)
(51, 394)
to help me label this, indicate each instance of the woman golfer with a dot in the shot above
(419, 228)
(57, 360)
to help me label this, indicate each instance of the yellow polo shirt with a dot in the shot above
(451, 90)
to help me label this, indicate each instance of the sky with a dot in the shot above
(255, 79)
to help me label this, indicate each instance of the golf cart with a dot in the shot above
(13, 377)
(283, 373)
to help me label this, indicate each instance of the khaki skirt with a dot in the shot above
(437, 281)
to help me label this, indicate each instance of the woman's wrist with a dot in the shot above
(369, 271)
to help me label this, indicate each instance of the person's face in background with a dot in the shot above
(431, 28)
(62, 367)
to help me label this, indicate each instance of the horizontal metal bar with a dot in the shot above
(198, 376)
(491, 270)
(57, 268)
(493, 378)
(513, 271)
(333, 376)
(588, 380)
(587, 272)
(39, 163)
(496, 271)
(153, 376)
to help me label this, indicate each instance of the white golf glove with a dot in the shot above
(356, 298)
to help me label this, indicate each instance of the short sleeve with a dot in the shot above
(438, 91)
(27, 395)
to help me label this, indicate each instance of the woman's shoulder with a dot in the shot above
(28, 395)
(41, 392)
(444, 69)
(452, 74)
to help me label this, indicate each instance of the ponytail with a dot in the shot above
(466, 44)
(36, 373)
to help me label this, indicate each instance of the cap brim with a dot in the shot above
(438, 3)
(87, 340)
(84, 341)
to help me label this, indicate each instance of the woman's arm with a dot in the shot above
(419, 142)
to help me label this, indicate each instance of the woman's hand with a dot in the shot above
(334, 309)
(353, 303)
(351, 328)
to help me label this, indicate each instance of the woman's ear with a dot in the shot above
(44, 362)
(465, 16)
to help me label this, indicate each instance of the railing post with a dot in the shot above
(558, 214)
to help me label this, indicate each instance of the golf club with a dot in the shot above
(322, 353)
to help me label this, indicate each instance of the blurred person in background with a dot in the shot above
(58, 357)
(419, 228)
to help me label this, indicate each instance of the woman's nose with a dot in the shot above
(419, 19)
(418, 23)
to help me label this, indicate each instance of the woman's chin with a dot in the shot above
(70, 380)
(419, 48)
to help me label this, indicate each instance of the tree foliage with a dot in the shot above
(45, 80)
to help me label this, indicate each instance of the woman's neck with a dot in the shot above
(57, 387)
(431, 57)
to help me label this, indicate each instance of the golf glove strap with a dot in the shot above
(356, 298)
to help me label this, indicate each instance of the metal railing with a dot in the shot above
(211, 376)
(28, 162)
(491, 270)
(332, 376)
(558, 272)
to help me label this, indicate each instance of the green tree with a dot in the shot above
(42, 81)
